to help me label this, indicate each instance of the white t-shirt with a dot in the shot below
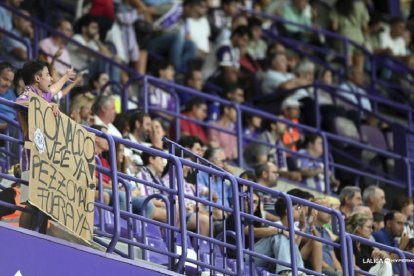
(112, 130)
(199, 31)
(81, 59)
(397, 45)
(273, 79)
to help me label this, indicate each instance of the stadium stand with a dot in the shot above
(306, 116)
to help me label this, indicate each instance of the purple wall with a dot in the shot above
(35, 254)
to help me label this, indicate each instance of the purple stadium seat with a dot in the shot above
(373, 136)
(152, 230)
(345, 127)
(156, 257)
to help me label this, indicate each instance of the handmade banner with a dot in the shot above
(62, 168)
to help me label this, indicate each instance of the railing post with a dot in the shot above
(326, 163)
(239, 133)
(292, 243)
(145, 94)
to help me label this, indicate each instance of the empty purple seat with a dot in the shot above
(346, 127)
(151, 230)
(374, 137)
(156, 257)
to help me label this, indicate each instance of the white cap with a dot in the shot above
(289, 102)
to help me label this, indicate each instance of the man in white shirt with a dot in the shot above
(277, 76)
(393, 38)
(104, 110)
(352, 86)
(140, 129)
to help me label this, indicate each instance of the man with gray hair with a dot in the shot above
(374, 198)
(352, 89)
(350, 198)
(104, 110)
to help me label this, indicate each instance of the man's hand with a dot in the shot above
(55, 110)
(71, 74)
(404, 241)
(295, 176)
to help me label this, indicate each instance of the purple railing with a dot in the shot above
(175, 193)
(238, 132)
(375, 62)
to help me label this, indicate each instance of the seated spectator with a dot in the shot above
(297, 11)
(221, 139)
(330, 264)
(151, 172)
(267, 175)
(192, 143)
(197, 110)
(198, 30)
(393, 38)
(104, 110)
(394, 222)
(216, 184)
(175, 40)
(98, 81)
(253, 124)
(352, 87)
(88, 37)
(291, 111)
(55, 45)
(157, 133)
(268, 240)
(282, 242)
(405, 205)
(361, 225)
(350, 198)
(194, 80)
(278, 77)
(227, 54)
(311, 165)
(374, 198)
(258, 47)
(15, 51)
(6, 80)
(6, 17)
(160, 98)
(196, 213)
(221, 19)
(234, 93)
(140, 128)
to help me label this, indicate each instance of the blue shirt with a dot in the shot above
(9, 44)
(5, 19)
(384, 236)
(326, 249)
(6, 110)
(216, 184)
(316, 182)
